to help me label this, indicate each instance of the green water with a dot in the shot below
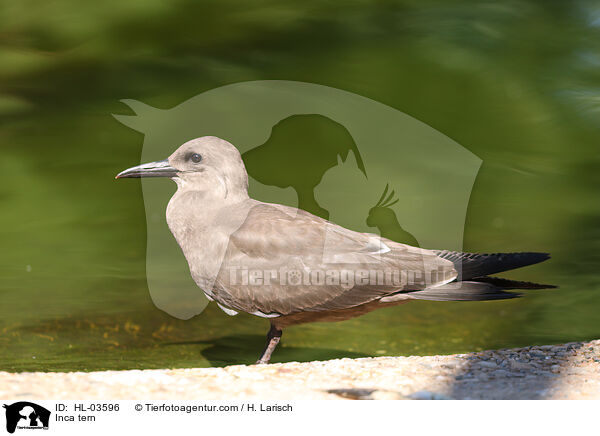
(516, 83)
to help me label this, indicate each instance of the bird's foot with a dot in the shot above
(273, 338)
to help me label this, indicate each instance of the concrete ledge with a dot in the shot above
(567, 371)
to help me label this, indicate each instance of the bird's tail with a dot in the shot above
(480, 289)
(474, 265)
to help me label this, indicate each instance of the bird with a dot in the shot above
(291, 267)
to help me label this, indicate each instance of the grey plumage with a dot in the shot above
(222, 232)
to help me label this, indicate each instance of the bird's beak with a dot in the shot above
(152, 169)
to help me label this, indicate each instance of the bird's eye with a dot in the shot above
(195, 157)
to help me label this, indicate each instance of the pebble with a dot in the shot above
(515, 365)
(427, 395)
(385, 395)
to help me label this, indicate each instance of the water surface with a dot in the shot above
(515, 83)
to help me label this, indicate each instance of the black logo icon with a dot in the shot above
(26, 415)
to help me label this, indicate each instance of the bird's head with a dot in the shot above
(202, 164)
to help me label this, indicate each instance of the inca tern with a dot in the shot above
(292, 267)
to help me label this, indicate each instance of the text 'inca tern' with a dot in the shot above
(292, 267)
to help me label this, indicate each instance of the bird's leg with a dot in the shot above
(273, 338)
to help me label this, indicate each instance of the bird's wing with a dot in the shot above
(282, 260)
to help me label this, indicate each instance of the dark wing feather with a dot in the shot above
(472, 265)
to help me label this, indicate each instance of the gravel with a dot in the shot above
(565, 371)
